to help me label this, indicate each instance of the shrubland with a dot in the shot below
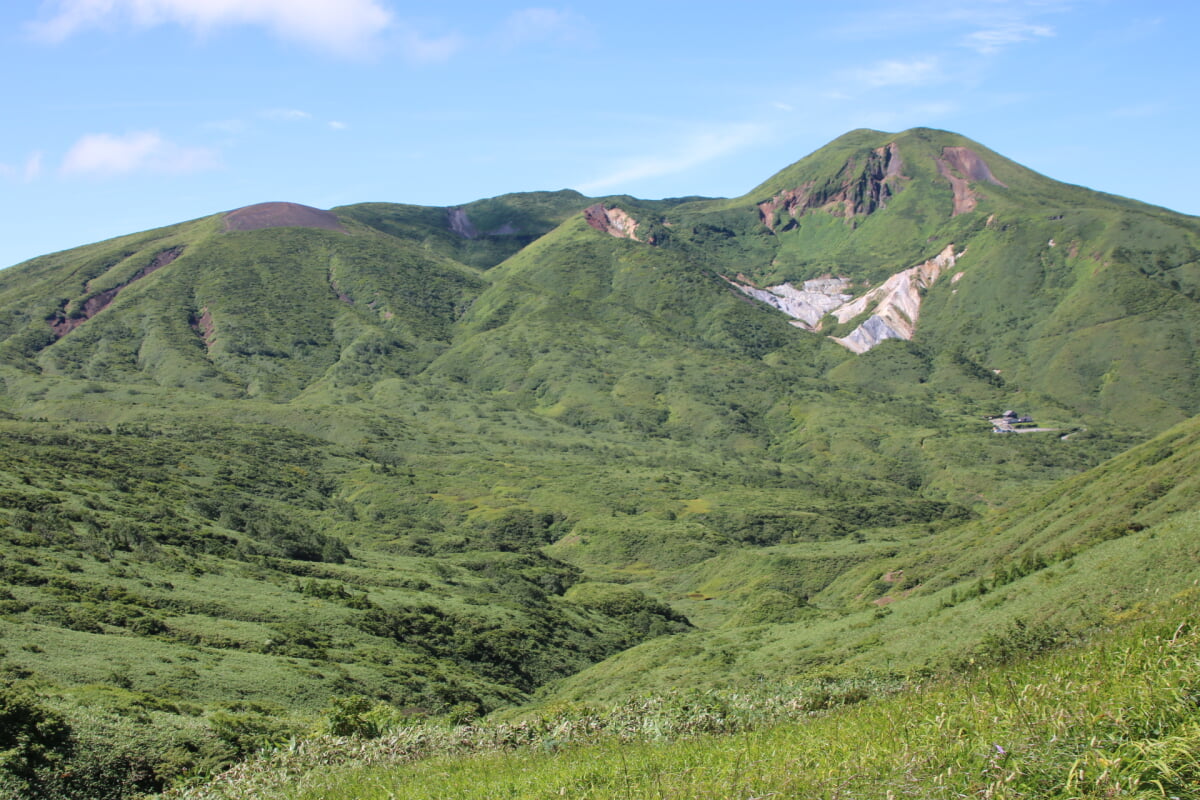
(434, 484)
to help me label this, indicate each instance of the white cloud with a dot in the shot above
(532, 25)
(916, 72)
(996, 38)
(337, 125)
(285, 115)
(985, 26)
(344, 26)
(103, 154)
(698, 149)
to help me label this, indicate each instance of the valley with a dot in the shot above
(285, 474)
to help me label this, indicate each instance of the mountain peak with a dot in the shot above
(281, 215)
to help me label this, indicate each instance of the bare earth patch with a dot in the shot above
(62, 324)
(281, 215)
(962, 166)
(613, 221)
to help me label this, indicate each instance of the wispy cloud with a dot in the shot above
(285, 115)
(420, 48)
(985, 26)
(235, 128)
(33, 167)
(914, 72)
(343, 26)
(987, 41)
(106, 155)
(541, 25)
(695, 150)
(28, 172)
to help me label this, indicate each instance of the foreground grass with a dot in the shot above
(1119, 717)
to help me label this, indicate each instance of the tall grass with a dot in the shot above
(1119, 717)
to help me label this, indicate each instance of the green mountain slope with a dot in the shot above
(257, 313)
(1112, 718)
(1088, 552)
(545, 445)
(1061, 290)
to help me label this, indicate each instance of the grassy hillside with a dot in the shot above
(1112, 718)
(538, 449)
(1108, 541)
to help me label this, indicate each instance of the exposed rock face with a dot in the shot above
(806, 306)
(861, 192)
(962, 166)
(461, 224)
(895, 305)
(281, 215)
(612, 221)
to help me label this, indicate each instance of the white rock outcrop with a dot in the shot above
(894, 306)
(806, 306)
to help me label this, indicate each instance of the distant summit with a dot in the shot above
(281, 215)
(1057, 288)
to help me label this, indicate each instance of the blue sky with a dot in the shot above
(124, 115)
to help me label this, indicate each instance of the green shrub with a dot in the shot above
(32, 737)
(356, 716)
(247, 732)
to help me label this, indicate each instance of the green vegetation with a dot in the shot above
(264, 487)
(1115, 719)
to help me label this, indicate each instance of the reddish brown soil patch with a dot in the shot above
(962, 166)
(203, 326)
(969, 164)
(281, 215)
(61, 324)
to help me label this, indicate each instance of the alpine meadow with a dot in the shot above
(880, 480)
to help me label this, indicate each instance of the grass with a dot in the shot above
(1099, 545)
(1115, 717)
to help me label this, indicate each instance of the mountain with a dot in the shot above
(560, 447)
